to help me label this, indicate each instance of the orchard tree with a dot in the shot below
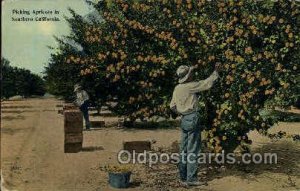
(19, 81)
(136, 50)
(68, 64)
(8, 88)
(61, 77)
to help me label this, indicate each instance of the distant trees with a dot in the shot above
(19, 81)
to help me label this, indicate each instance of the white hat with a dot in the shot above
(183, 72)
(76, 87)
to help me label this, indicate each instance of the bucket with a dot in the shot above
(119, 180)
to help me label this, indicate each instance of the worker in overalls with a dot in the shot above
(82, 101)
(185, 103)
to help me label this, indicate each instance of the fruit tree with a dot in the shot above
(138, 46)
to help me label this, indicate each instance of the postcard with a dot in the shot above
(145, 95)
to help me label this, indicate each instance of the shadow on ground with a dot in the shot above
(15, 107)
(151, 125)
(11, 131)
(10, 118)
(165, 176)
(18, 111)
(288, 159)
(92, 148)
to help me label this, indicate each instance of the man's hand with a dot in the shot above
(194, 67)
(173, 113)
(218, 67)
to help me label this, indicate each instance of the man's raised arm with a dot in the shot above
(206, 84)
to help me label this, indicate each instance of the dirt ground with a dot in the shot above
(32, 156)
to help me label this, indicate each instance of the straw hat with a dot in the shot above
(77, 87)
(184, 72)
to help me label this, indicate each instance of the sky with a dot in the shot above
(24, 43)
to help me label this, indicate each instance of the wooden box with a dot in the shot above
(73, 138)
(72, 147)
(73, 121)
(137, 146)
(70, 107)
(97, 124)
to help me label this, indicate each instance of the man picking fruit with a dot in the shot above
(185, 102)
(82, 101)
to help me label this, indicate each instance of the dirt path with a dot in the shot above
(33, 158)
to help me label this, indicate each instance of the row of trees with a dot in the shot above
(132, 53)
(18, 81)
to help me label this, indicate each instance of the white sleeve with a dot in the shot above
(85, 96)
(204, 84)
(173, 101)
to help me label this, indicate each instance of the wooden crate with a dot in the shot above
(70, 107)
(73, 137)
(73, 126)
(97, 124)
(65, 107)
(72, 147)
(137, 146)
(73, 121)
